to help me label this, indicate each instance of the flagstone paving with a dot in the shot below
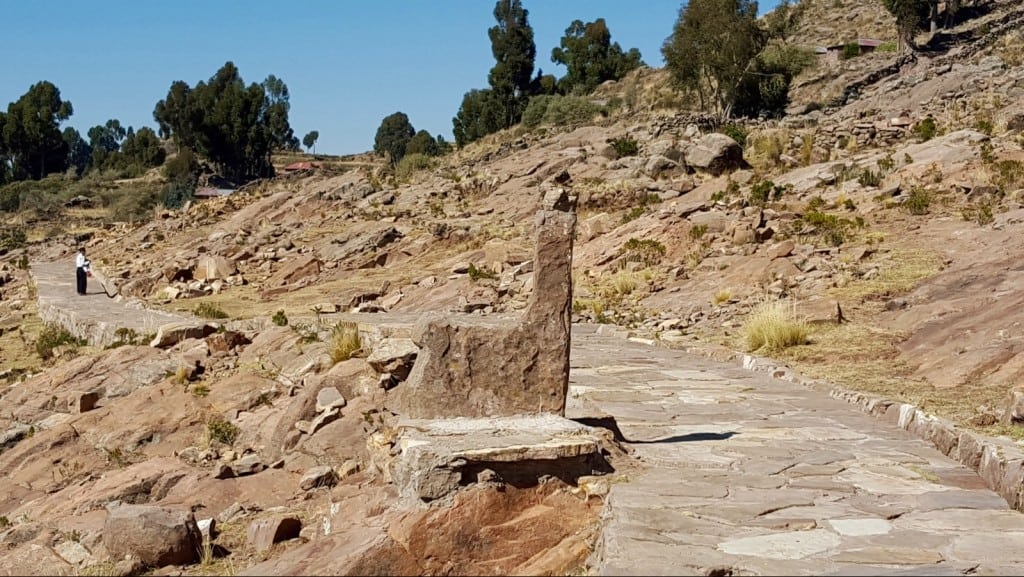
(744, 474)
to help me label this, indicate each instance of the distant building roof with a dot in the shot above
(301, 166)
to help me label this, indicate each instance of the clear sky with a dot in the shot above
(347, 63)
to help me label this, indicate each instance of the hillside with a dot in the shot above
(888, 217)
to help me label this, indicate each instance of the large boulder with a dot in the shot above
(716, 154)
(156, 535)
(210, 267)
(173, 333)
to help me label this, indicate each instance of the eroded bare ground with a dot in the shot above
(917, 247)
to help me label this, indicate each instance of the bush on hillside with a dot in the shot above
(559, 110)
(412, 163)
(53, 336)
(736, 132)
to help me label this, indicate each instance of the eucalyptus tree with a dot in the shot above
(393, 136)
(590, 57)
(32, 143)
(309, 141)
(235, 126)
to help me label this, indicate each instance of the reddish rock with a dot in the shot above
(156, 535)
(80, 402)
(263, 533)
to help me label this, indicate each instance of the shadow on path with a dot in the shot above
(613, 426)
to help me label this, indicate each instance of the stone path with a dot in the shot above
(93, 317)
(739, 473)
(743, 474)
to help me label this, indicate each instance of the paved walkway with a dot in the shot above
(744, 474)
(739, 473)
(94, 317)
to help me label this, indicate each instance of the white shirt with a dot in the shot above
(81, 261)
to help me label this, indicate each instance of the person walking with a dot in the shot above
(82, 265)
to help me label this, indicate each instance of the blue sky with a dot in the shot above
(347, 63)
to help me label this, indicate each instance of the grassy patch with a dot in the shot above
(774, 326)
(863, 358)
(209, 311)
(903, 271)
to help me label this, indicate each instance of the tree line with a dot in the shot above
(732, 63)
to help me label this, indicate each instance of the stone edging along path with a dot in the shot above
(998, 461)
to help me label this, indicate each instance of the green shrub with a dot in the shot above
(568, 110)
(890, 46)
(221, 430)
(981, 213)
(556, 110)
(887, 163)
(176, 194)
(647, 251)
(736, 132)
(1009, 174)
(53, 336)
(918, 201)
(763, 191)
(830, 227)
(851, 50)
(411, 164)
(533, 116)
(209, 311)
(624, 146)
(476, 274)
(633, 214)
(925, 129)
(124, 336)
(279, 318)
(731, 190)
(10, 200)
(12, 237)
(698, 231)
(868, 177)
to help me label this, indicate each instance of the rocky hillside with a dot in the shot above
(888, 217)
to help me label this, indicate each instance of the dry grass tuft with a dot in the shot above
(721, 297)
(345, 342)
(774, 326)
(625, 282)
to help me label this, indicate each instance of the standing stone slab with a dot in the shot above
(477, 367)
